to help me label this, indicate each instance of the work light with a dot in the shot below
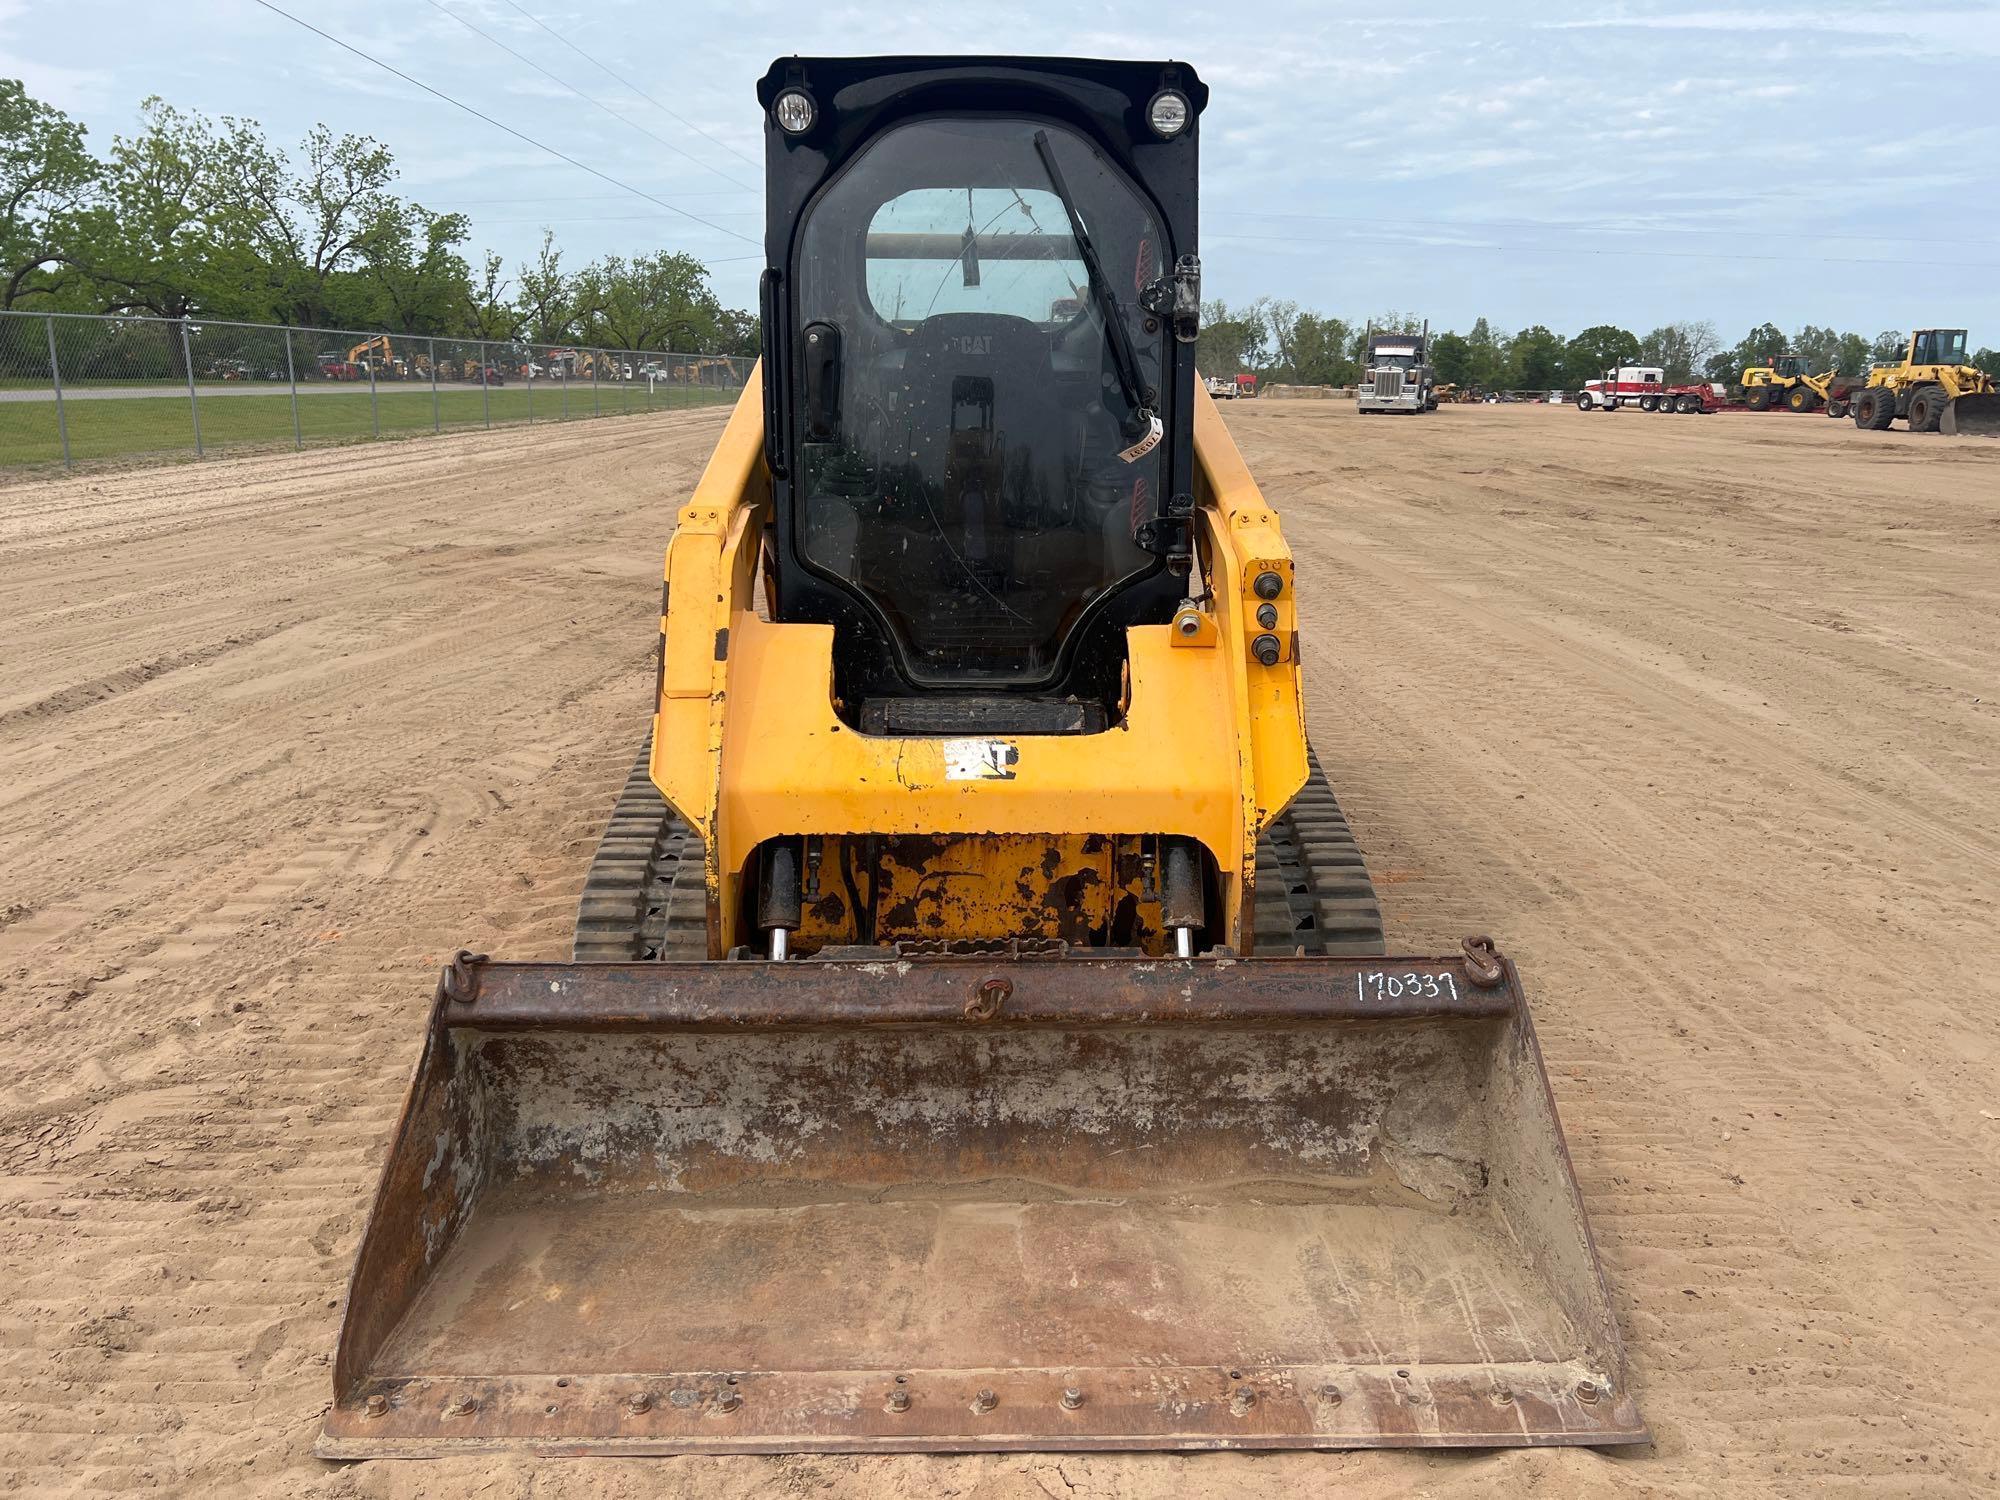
(795, 111)
(1168, 114)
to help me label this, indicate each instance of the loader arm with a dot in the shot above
(747, 745)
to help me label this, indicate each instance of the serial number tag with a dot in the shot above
(1155, 429)
(1408, 985)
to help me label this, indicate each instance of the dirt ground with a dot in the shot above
(1697, 715)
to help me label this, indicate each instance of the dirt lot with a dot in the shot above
(1698, 715)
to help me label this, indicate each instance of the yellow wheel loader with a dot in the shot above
(1935, 389)
(978, 1035)
(1782, 382)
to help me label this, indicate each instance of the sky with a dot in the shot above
(1833, 163)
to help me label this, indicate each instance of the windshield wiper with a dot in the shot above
(1142, 429)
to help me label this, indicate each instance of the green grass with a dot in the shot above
(143, 426)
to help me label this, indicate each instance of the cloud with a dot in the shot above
(1962, 32)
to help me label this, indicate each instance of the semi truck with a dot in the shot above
(1398, 374)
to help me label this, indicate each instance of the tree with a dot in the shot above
(155, 240)
(1229, 343)
(1759, 346)
(552, 302)
(1451, 357)
(1487, 356)
(196, 218)
(1279, 319)
(1989, 361)
(1596, 350)
(738, 333)
(486, 311)
(1850, 355)
(1536, 359)
(1889, 348)
(1322, 350)
(1682, 350)
(645, 302)
(308, 227)
(411, 256)
(1819, 347)
(45, 174)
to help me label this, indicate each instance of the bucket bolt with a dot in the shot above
(984, 1402)
(1330, 1394)
(1241, 1400)
(460, 1406)
(780, 902)
(728, 1400)
(1587, 1391)
(1072, 1398)
(899, 1399)
(639, 1403)
(376, 1406)
(1181, 908)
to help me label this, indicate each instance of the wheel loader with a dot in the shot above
(978, 1034)
(1779, 382)
(1935, 389)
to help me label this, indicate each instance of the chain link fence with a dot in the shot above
(78, 388)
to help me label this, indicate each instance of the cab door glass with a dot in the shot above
(976, 485)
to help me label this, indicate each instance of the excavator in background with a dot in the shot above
(978, 1034)
(363, 356)
(1936, 388)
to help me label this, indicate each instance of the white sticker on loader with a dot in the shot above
(980, 760)
(1146, 444)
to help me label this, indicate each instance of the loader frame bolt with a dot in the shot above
(1072, 1398)
(984, 1402)
(376, 1406)
(1268, 585)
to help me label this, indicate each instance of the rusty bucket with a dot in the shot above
(966, 1204)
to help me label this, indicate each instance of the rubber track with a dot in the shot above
(1313, 891)
(643, 897)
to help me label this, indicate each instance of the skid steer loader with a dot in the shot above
(978, 1035)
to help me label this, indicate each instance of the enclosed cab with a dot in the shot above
(1398, 375)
